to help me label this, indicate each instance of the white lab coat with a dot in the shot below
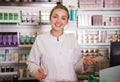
(59, 59)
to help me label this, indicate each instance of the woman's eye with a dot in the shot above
(64, 18)
(54, 16)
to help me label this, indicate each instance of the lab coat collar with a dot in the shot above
(61, 37)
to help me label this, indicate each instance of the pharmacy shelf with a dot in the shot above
(98, 12)
(112, 27)
(26, 3)
(22, 62)
(98, 27)
(20, 46)
(6, 62)
(27, 78)
(98, 9)
(27, 28)
(94, 44)
(12, 48)
(29, 24)
(8, 73)
(95, 29)
(33, 24)
(90, 27)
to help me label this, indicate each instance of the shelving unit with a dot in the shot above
(29, 26)
(98, 24)
(7, 74)
(99, 18)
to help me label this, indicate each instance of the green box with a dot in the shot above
(5, 16)
(22, 39)
(1, 16)
(10, 16)
(15, 16)
(92, 78)
(27, 40)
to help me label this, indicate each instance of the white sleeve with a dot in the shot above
(78, 59)
(78, 62)
(34, 58)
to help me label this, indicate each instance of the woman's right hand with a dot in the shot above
(40, 74)
(89, 60)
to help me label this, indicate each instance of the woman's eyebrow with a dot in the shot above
(58, 15)
(64, 16)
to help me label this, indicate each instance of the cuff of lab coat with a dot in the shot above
(34, 70)
(79, 66)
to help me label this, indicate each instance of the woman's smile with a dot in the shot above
(58, 24)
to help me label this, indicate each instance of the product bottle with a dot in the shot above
(73, 13)
(7, 55)
(4, 39)
(9, 39)
(3, 69)
(15, 39)
(27, 41)
(1, 40)
(22, 39)
(15, 78)
(32, 39)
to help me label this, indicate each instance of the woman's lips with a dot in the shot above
(58, 25)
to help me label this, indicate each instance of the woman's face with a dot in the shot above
(59, 19)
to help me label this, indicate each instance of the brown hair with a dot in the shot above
(59, 6)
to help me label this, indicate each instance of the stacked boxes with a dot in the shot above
(9, 16)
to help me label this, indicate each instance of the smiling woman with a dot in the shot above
(55, 56)
(59, 18)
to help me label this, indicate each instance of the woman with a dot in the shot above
(55, 56)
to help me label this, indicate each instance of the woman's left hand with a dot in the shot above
(89, 60)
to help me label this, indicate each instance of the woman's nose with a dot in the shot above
(58, 20)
